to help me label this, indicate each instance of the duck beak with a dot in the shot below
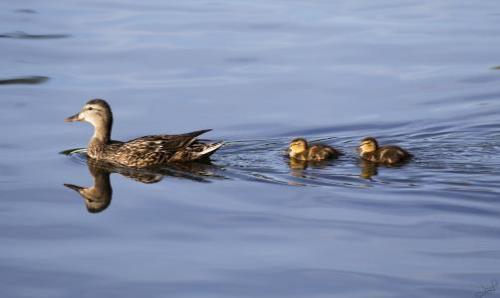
(75, 117)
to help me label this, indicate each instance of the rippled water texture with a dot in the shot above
(421, 74)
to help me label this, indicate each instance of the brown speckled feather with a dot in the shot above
(153, 150)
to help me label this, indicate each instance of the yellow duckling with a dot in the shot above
(299, 149)
(389, 155)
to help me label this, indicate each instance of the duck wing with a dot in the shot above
(175, 142)
(150, 150)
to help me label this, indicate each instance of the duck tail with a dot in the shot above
(208, 149)
(196, 151)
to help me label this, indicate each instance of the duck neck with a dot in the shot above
(102, 132)
(102, 185)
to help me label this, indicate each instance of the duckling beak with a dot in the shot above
(75, 117)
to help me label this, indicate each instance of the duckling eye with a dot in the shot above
(89, 108)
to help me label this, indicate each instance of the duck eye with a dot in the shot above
(89, 108)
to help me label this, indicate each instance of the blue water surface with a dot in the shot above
(421, 74)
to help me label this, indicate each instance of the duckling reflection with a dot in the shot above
(368, 169)
(298, 166)
(98, 196)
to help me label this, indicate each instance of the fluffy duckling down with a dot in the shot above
(299, 149)
(389, 154)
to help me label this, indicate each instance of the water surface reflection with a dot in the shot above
(368, 169)
(98, 196)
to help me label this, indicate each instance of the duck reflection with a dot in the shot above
(98, 196)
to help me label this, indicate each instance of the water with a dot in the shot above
(421, 74)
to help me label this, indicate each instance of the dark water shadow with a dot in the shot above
(98, 196)
(25, 10)
(24, 35)
(28, 80)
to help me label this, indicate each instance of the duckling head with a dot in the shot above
(298, 146)
(368, 145)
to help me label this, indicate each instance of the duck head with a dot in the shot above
(98, 113)
(93, 111)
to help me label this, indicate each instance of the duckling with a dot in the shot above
(147, 151)
(299, 149)
(389, 155)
